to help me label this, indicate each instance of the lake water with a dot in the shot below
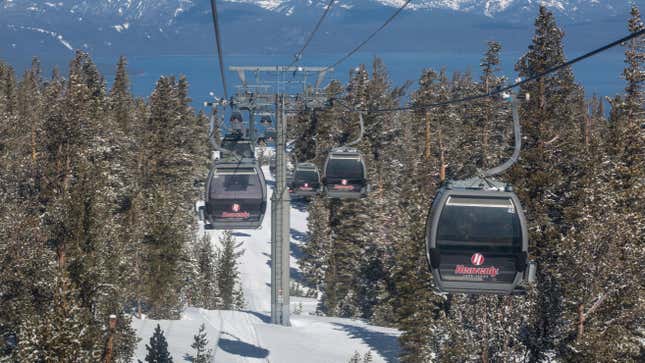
(600, 75)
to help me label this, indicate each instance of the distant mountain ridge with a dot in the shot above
(572, 9)
(144, 27)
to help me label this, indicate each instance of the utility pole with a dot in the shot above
(280, 214)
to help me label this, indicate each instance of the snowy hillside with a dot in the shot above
(248, 336)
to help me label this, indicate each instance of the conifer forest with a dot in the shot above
(98, 225)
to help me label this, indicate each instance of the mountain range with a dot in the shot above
(54, 28)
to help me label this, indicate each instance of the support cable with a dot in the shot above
(298, 56)
(218, 40)
(360, 45)
(519, 83)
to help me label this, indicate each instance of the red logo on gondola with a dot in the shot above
(477, 259)
(344, 181)
(235, 207)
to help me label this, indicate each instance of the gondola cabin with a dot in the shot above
(345, 174)
(270, 134)
(241, 147)
(306, 180)
(236, 118)
(265, 120)
(477, 239)
(236, 195)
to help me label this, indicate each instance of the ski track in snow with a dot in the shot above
(248, 336)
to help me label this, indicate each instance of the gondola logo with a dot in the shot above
(477, 259)
(343, 185)
(236, 212)
(491, 271)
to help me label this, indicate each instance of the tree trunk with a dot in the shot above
(581, 321)
(33, 144)
(442, 157)
(485, 130)
(427, 149)
(109, 345)
(484, 331)
(587, 129)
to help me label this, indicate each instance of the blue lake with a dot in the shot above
(600, 75)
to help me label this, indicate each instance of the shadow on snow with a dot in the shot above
(241, 348)
(385, 344)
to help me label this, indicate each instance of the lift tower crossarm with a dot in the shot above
(278, 69)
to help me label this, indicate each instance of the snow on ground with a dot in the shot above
(248, 336)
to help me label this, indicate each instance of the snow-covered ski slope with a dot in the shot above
(248, 336)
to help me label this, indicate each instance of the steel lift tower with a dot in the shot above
(257, 97)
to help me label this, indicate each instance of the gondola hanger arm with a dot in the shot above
(517, 131)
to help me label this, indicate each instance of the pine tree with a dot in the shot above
(634, 72)
(8, 96)
(120, 97)
(550, 122)
(312, 263)
(206, 293)
(74, 239)
(356, 358)
(58, 334)
(200, 344)
(164, 249)
(607, 193)
(157, 350)
(165, 195)
(228, 276)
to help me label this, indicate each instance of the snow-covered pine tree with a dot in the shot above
(58, 333)
(157, 349)
(8, 96)
(205, 294)
(73, 199)
(487, 133)
(550, 122)
(120, 98)
(228, 275)
(302, 128)
(318, 263)
(200, 345)
(27, 271)
(601, 246)
(165, 197)
(164, 247)
(634, 72)
(414, 305)
(315, 252)
(494, 124)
